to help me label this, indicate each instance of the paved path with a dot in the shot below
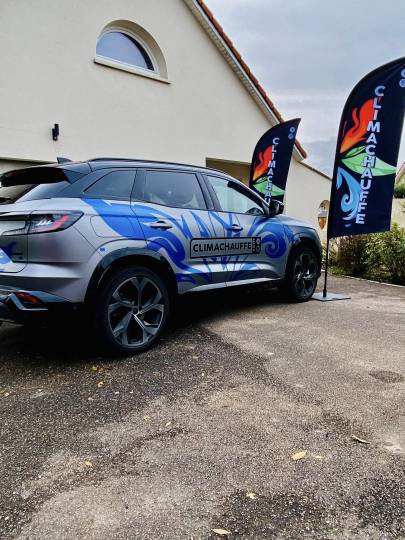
(200, 432)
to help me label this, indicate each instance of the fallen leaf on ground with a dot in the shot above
(94, 368)
(299, 455)
(88, 463)
(251, 495)
(100, 384)
(168, 424)
(357, 439)
(221, 532)
(6, 394)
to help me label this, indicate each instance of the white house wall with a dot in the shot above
(48, 76)
(306, 190)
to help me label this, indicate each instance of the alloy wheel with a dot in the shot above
(305, 274)
(135, 311)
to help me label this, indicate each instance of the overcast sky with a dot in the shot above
(308, 55)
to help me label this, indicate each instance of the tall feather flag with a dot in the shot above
(271, 160)
(366, 157)
(367, 153)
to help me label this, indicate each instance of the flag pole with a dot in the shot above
(326, 296)
(325, 285)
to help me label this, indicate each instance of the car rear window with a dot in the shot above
(34, 183)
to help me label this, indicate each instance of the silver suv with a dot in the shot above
(122, 238)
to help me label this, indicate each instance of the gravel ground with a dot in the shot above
(200, 433)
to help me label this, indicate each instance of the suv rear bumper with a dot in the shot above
(14, 309)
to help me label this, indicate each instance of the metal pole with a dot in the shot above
(325, 286)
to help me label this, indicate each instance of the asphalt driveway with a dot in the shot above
(264, 419)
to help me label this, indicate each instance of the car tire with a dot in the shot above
(131, 310)
(301, 275)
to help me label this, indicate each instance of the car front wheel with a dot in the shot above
(132, 310)
(301, 274)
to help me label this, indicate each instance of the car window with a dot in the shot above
(32, 192)
(173, 188)
(11, 194)
(233, 198)
(35, 183)
(114, 185)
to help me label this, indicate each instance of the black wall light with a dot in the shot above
(55, 132)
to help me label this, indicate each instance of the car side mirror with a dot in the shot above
(274, 208)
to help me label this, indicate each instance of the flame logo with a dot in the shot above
(358, 132)
(261, 167)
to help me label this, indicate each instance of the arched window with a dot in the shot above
(124, 48)
(126, 45)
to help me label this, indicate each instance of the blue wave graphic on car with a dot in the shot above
(275, 236)
(6, 254)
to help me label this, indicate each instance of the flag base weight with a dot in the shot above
(325, 295)
(329, 297)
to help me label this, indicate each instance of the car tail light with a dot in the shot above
(39, 222)
(42, 223)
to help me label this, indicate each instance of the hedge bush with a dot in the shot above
(375, 256)
(348, 254)
(385, 256)
(399, 191)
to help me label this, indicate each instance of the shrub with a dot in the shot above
(376, 256)
(385, 255)
(399, 191)
(348, 254)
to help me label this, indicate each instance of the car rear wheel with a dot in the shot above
(132, 310)
(301, 274)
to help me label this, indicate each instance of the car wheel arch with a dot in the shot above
(127, 257)
(302, 240)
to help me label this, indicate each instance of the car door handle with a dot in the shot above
(161, 224)
(236, 228)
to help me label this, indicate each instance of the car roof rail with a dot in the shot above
(132, 160)
(137, 160)
(63, 160)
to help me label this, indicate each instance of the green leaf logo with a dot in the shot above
(355, 151)
(354, 160)
(261, 184)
